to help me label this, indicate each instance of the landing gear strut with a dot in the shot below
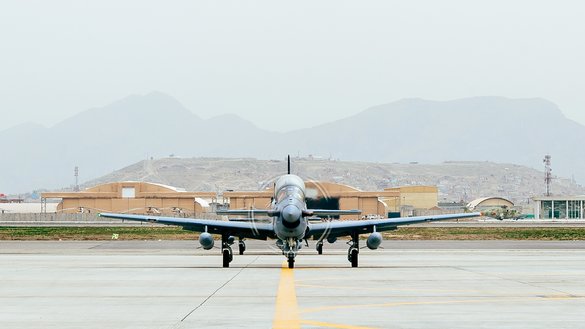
(290, 248)
(320, 247)
(354, 249)
(241, 247)
(226, 251)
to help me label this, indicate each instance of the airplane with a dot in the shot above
(290, 224)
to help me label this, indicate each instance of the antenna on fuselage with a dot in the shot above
(288, 161)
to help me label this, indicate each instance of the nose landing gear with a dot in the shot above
(290, 248)
(291, 261)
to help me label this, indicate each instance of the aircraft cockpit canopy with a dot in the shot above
(290, 185)
(290, 191)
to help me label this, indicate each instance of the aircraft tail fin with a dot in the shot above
(288, 162)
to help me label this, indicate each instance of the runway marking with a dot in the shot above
(470, 301)
(303, 285)
(286, 314)
(331, 325)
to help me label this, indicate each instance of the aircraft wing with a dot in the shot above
(347, 227)
(248, 229)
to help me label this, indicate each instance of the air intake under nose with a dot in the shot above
(291, 216)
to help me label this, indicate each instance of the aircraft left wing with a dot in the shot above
(347, 227)
(248, 229)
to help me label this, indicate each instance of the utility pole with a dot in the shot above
(76, 187)
(547, 173)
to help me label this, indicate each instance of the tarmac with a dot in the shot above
(409, 284)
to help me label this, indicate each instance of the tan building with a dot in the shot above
(416, 197)
(149, 198)
(132, 197)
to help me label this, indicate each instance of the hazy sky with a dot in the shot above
(285, 65)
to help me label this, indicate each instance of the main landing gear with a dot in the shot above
(226, 250)
(241, 247)
(354, 249)
(319, 247)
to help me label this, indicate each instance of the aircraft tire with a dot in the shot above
(241, 248)
(354, 258)
(291, 262)
(320, 248)
(226, 258)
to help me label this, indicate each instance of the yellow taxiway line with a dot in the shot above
(286, 315)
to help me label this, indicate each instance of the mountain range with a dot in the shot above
(456, 180)
(139, 127)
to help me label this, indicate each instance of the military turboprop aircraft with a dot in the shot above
(289, 225)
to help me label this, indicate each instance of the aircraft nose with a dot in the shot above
(291, 213)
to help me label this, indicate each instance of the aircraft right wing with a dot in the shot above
(347, 227)
(250, 229)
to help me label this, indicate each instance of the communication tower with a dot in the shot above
(547, 173)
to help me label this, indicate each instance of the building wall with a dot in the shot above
(131, 205)
(326, 189)
(148, 198)
(160, 199)
(350, 203)
(419, 197)
(250, 202)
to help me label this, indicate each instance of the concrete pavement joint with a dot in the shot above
(515, 281)
(216, 291)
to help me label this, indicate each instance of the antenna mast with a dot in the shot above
(547, 173)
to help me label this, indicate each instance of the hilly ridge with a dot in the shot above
(456, 180)
(104, 139)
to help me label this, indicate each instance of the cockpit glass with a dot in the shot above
(290, 192)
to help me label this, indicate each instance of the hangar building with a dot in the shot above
(489, 203)
(132, 197)
(150, 198)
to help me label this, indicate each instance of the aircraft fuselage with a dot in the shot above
(289, 203)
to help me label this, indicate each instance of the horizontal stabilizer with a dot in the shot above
(267, 220)
(331, 212)
(248, 212)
